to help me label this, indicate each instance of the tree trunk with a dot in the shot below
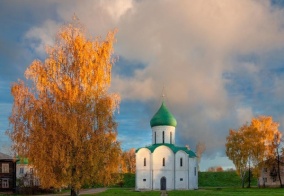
(249, 175)
(74, 192)
(243, 179)
(278, 169)
(243, 183)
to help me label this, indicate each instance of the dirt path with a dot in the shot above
(83, 191)
(92, 191)
(164, 193)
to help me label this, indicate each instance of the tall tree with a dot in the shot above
(253, 144)
(277, 142)
(237, 151)
(261, 137)
(64, 122)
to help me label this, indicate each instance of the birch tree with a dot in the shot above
(128, 161)
(64, 121)
(277, 142)
(237, 151)
(262, 140)
(253, 144)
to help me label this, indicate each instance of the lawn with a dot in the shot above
(222, 179)
(124, 191)
(229, 191)
(210, 183)
(199, 192)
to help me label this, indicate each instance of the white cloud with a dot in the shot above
(244, 115)
(40, 37)
(186, 46)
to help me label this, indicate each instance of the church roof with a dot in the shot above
(163, 117)
(174, 148)
(5, 156)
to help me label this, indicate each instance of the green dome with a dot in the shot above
(163, 117)
(22, 160)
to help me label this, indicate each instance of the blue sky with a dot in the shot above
(221, 62)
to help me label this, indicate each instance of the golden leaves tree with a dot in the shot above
(264, 129)
(237, 151)
(64, 123)
(128, 162)
(253, 144)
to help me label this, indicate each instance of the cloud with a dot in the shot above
(209, 55)
(40, 37)
(244, 115)
(188, 48)
(99, 16)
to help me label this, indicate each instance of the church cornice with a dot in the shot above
(174, 149)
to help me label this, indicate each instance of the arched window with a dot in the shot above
(180, 162)
(163, 161)
(163, 137)
(171, 138)
(144, 161)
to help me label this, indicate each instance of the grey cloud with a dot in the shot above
(188, 47)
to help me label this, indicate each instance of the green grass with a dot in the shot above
(123, 191)
(229, 191)
(210, 183)
(199, 192)
(222, 179)
(224, 183)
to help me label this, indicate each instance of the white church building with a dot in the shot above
(163, 165)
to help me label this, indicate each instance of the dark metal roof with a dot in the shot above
(5, 157)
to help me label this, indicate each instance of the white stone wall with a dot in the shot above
(28, 174)
(25, 168)
(160, 171)
(168, 131)
(266, 180)
(181, 174)
(193, 173)
(143, 173)
(149, 176)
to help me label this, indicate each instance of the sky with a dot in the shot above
(219, 62)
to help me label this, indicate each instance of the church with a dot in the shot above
(163, 165)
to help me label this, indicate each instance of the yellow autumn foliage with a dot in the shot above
(128, 162)
(64, 122)
(255, 143)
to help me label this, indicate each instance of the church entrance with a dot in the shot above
(163, 183)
